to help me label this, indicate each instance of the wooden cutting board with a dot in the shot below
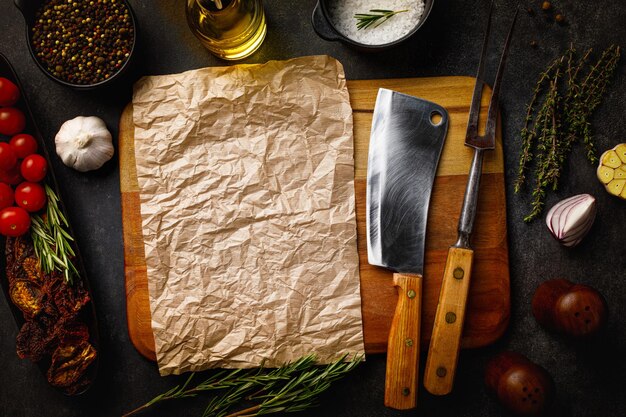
(489, 298)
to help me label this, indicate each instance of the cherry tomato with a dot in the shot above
(7, 156)
(23, 145)
(30, 196)
(34, 168)
(6, 195)
(9, 93)
(12, 121)
(14, 221)
(11, 176)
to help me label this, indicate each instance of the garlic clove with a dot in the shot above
(610, 159)
(571, 219)
(605, 174)
(615, 187)
(620, 174)
(620, 150)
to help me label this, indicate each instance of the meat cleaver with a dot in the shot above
(405, 144)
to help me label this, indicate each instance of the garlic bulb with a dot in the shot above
(84, 143)
(612, 170)
(570, 220)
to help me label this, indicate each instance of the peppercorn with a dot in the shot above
(533, 43)
(559, 18)
(67, 36)
(530, 11)
(546, 5)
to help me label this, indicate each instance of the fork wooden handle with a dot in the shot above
(443, 353)
(403, 347)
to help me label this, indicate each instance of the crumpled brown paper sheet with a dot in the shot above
(247, 200)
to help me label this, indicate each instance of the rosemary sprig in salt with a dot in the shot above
(374, 18)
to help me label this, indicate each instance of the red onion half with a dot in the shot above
(570, 219)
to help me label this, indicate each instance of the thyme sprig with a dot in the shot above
(558, 115)
(529, 134)
(295, 386)
(51, 239)
(374, 18)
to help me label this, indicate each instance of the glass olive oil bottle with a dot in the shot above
(230, 29)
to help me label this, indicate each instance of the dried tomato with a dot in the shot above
(15, 251)
(73, 333)
(69, 300)
(27, 296)
(32, 341)
(69, 363)
(51, 308)
(32, 269)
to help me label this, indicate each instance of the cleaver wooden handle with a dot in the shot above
(404, 344)
(445, 341)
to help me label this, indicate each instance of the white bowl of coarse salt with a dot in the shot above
(369, 24)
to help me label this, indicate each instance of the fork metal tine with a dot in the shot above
(492, 116)
(472, 124)
(487, 141)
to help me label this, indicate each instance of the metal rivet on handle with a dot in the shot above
(441, 372)
(450, 317)
(410, 293)
(458, 273)
(408, 342)
(406, 391)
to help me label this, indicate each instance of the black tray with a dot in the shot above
(88, 313)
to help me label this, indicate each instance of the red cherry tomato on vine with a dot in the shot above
(6, 195)
(9, 93)
(14, 221)
(7, 156)
(34, 168)
(23, 145)
(12, 121)
(11, 176)
(30, 196)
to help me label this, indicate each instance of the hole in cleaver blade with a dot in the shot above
(405, 145)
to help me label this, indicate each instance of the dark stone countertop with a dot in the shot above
(589, 376)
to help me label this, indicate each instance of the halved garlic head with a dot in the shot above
(570, 219)
(612, 170)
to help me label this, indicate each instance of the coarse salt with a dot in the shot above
(342, 16)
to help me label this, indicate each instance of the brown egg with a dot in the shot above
(521, 386)
(573, 309)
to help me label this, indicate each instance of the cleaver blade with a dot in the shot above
(406, 141)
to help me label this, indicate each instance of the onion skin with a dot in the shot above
(570, 220)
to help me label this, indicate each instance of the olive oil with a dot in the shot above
(231, 32)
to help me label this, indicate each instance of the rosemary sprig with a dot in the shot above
(293, 387)
(566, 95)
(374, 18)
(52, 241)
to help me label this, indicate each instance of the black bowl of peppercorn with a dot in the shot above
(82, 44)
